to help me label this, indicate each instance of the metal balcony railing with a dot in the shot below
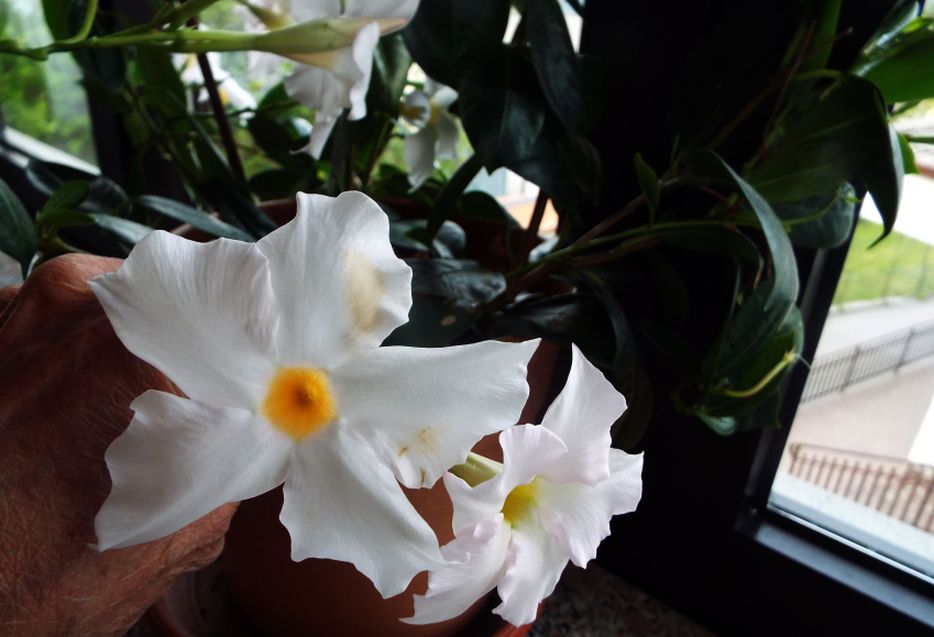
(900, 489)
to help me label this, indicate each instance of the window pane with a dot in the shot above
(44, 100)
(860, 454)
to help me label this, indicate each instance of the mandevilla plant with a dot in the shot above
(529, 102)
(686, 187)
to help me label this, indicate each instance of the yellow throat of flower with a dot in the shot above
(299, 401)
(520, 502)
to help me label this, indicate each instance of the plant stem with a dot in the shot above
(89, 14)
(786, 360)
(220, 118)
(531, 234)
(450, 193)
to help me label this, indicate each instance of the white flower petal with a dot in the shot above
(338, 79)
(443, 96)
(320, 132)
(448, 136)
(179, 460)
(534, 567)
(473, 505)
(422, 409)
(417, 108)
(336, 279)
(235, 95)
(342, 503)
(419, 154)
(404, 9)
(528, 451)
(202, 313)
(476, 562)
(581, 416)
(578, 515)
(303, 10)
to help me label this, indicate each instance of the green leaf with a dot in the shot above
(17, 230)
(884, 173)
(783, 258)
(820, 222)
(626, 370)
(445, 292)
(477, 204)
(198, 219)
(129, 231)
(759, 408)
(648, 182)
(909, 165)
(280, 126)
(69, 195)
(759, 316)
(57, 14)
(500, 108)
(555, 60)
(391, 64)
(445, 36)
(560, 317)
(55, 221)
(161, 81)
(826, 145)
(444, 203)
(715, 240)
(901, 67)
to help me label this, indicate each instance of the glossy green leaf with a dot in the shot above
(884, 173)
(69, 195)
(555, 60)
(500, 108)
(785, 267)
(445, 35)
(478, 204)
(17, 230)
(391, 64)
(820, 222)
(826, 145)
(197, 219)
(648, 182)
(909, 165)
(901, 67)
(57, 14)
(124, 229)
(445, 292)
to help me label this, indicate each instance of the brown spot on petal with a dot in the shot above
(364, 292)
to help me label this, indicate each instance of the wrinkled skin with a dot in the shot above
(65, 386)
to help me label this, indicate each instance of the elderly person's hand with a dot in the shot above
(65, 386)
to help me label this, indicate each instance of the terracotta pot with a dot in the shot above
(323, 597)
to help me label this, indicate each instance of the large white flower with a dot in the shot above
(436, 130)
(336, 80)
(560, 484)
(275, 345)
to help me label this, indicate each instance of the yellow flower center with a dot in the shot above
(299, 401)
(520, 502)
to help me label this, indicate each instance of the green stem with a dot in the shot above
(477, 469)
(787, 360)
(450, 193)
(89, 14)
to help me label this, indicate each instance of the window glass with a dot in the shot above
(860, 454)
(44, 100)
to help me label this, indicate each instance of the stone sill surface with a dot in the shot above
(590, 603)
